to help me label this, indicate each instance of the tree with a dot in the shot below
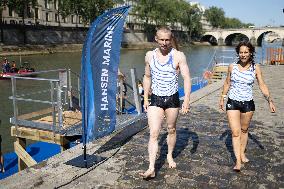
(21, 7)
(159, 12)
(216, 16)
(147, 11)
(87, 9)
(233, 23)
(3, 3)
(190, 17)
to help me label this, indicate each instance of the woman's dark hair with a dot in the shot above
(251, 51)
(174, 42)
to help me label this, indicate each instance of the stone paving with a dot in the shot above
(203, 152)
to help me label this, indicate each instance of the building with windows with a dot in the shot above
(45, 13)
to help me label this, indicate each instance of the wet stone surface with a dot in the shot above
(203, 152)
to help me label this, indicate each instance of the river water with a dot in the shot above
(198, 58)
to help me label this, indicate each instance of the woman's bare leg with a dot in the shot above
(245, 121)
(235, 125)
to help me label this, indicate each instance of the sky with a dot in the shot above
(258, 12)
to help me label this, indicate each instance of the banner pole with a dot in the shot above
(85, 156)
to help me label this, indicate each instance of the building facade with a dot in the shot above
(45, 13)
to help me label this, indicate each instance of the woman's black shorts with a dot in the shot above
(243, 106)
(165, 102)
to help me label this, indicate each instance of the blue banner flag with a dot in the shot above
(100, 60)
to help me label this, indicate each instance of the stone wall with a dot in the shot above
(41, 35)
(49, 35)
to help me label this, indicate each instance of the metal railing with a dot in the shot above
(221, 58)
(51, 96)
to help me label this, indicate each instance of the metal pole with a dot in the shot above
(84, 119)
(78, 89)
(135, 91)
(53, 107)
(59, 106)
(69, 89)
(85, 156)
(15, 106)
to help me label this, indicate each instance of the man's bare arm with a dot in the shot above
(184, 70)
(146, 82)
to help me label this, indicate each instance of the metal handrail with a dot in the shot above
(57, 88)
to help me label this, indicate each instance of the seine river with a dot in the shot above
(198, 58)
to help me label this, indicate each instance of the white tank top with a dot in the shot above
(164, 76)
(242, 83)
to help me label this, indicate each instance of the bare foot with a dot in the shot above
(150, 173)
(172, 163)
(237, 168)
(245, 159)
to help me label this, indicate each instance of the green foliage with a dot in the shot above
(216, 16)
(88, 9)
(168, 12)
(20, 6)
(190, 18)
(233, 23)
(2, 4)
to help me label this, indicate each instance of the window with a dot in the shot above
(29, 12)
(46, 17)
(55, 5)
(80, 20)
(56, 18)
(46, 4)
(72, 19)
(10, 12)
(36, 13)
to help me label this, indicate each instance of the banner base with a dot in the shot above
(87, 162)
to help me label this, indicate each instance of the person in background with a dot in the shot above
(122, 88)
(119, 73)
(1, 155)
(6, 66)
(141, 93)
(14, 68)
(162, 67)
(240, 105)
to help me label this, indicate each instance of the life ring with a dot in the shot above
(207, 75)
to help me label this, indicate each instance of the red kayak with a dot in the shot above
(20, 73)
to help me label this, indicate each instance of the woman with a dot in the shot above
(240, 105)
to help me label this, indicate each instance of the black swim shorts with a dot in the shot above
(165, 102)
(243, 106)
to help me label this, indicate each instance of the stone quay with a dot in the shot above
(203, 152)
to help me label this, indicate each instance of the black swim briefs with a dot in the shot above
(165, 102)
(243, 106)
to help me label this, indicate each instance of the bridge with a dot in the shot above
(254, 35)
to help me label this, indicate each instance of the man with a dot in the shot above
(6, 66)
(161, 77)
